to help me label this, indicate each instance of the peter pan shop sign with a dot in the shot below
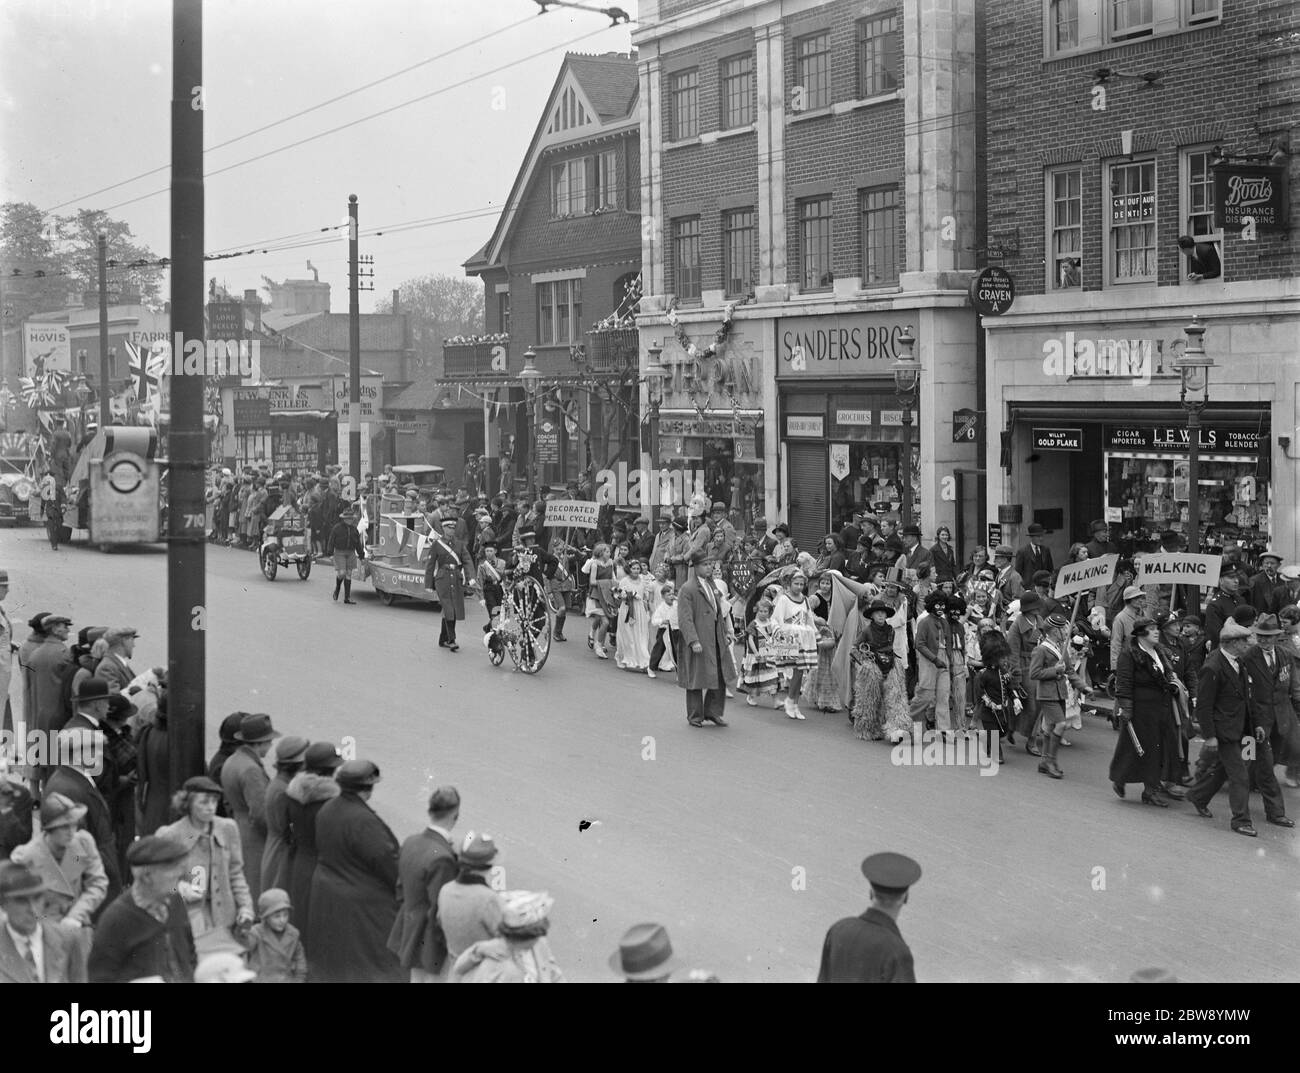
(860, 344)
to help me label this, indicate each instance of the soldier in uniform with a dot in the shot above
(869, 949)
(450, 572)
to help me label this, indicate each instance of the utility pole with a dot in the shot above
(187, 446)
(104, 418)
(354, 346)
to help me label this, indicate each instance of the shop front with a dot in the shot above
(721, 456)
(1093, 427)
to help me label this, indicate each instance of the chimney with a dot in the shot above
(396, 302)
(253, 308)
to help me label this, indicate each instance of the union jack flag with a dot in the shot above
(147, 366)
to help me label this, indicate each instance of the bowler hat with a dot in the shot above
(93, 689)
(1267, 626)
(322, 756)
(19, 881)
(155, 849)
(256, 728)
(200, 784)
(478, 850)
(891, 873)
(912, 530)
(1035, 530)
(644, 953)
(1030, 601)
(1133, 593)
(291, 750)
(60, 811)
(357, 775)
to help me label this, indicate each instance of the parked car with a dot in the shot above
(15, 491)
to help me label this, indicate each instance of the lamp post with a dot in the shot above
(907, 378)
(532, 379)
(655, 377)
(1194, 368)
(82, 391)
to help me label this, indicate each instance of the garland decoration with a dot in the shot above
(719, 337)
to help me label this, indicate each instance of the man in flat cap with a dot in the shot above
(32, 951)
(718, 520)
(145, 933)
(869, 949)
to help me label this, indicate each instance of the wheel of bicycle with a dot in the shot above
(535, 624)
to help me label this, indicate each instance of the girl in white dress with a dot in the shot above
(797, 628)
(632, 651)
(600, 576)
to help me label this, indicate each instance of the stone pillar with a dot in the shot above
(652, 221)
(769, 45)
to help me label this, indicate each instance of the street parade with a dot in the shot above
(741, 492)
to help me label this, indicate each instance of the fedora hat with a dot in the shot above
(19, 881)
(60, 811)
(93, 689)
(254, 729)
(644, 953)
(322, 756)
(1030, 601)
(1267, 626)
(478, 850)
(1036, 530)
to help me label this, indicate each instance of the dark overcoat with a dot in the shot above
(866, 950)
(699, 621)
(449, 572)
(353, 895)
(244, 781)
(1141, 693)
(306, 795)
(130, 944)
(426, 863)
(1221, 704)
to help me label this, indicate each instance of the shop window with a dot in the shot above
(1065, 228)
(812, 72)
(252, 445)
(559, 312)
(686, 259)
(878, 55)
(1131, 222)
(738, 232)
(1196, 192)
(737, 96)
(815, 220)
(879, 236)
(684, 97)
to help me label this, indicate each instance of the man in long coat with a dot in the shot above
(47, 664)
(706, 665)
(869, 949)
(426, 864)
(7, 649)
(244, 782)
(354, 888)
(74, 781)
(450, 572)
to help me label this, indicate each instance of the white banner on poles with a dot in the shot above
(1171, 568)
(1088, 574)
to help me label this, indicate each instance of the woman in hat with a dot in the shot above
(1051, 672)
(307, 793)
(346, 546)
(469, 910)
(832, 554)
(277, 856)
(520, 954)
(215, 891)
(599, 571)
(1144, 700)
(153, 764)
(68, 861)
(879, 698)
(632, 644)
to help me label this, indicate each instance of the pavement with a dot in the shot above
(744, 841)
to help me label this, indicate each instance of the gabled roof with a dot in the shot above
(591, 93)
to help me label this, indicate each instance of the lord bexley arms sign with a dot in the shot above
(1254, 191)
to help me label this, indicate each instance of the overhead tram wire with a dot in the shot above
(303, 112)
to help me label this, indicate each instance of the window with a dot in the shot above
(812, 72)
(606, 185)
(686, 258)
(879, 236)
(252, 445)
(568, 188)
(559, 312)
(686, 104)
(815, 244)
(1065, 24)
(1203, 11)
(737, 96)
(1130, 18)
(503, 312)
(1132, 222)
(877, 55)
(738, 231)
(1065, 228)
(1198, 204)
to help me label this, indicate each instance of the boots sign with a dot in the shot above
(1250, 192)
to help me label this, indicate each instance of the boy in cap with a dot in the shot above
(275, 950)
(869, 949)
(344, 543)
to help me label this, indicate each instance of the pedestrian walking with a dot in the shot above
(1023, 636)
(450, 573)
(1270, 706)
(869, 949)
(599, 571)
(244, 781)
(1052, 673)
(307, 793)
(275, 950)
(1144, 699)
(33, 951)
(277, 857)
(632, 646)
(426, 863)
(144, 934)
(345, 546)
(354, 888)
(215, 890)
(705, 661)
(469, 910)
(53, 504)
(520, 953)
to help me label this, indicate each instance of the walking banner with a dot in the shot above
(571, 514)
(1088, 574)
(1174, 568)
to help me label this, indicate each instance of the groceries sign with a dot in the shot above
(1250, 192)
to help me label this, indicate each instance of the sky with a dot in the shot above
(85, 88)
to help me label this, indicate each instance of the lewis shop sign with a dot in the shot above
(1213, 439)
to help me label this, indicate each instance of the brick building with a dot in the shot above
(811, 193)
(561, 259)
(1104, 126)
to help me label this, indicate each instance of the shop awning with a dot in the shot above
(1077, 414)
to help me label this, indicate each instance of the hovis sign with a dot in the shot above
(124, 500)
